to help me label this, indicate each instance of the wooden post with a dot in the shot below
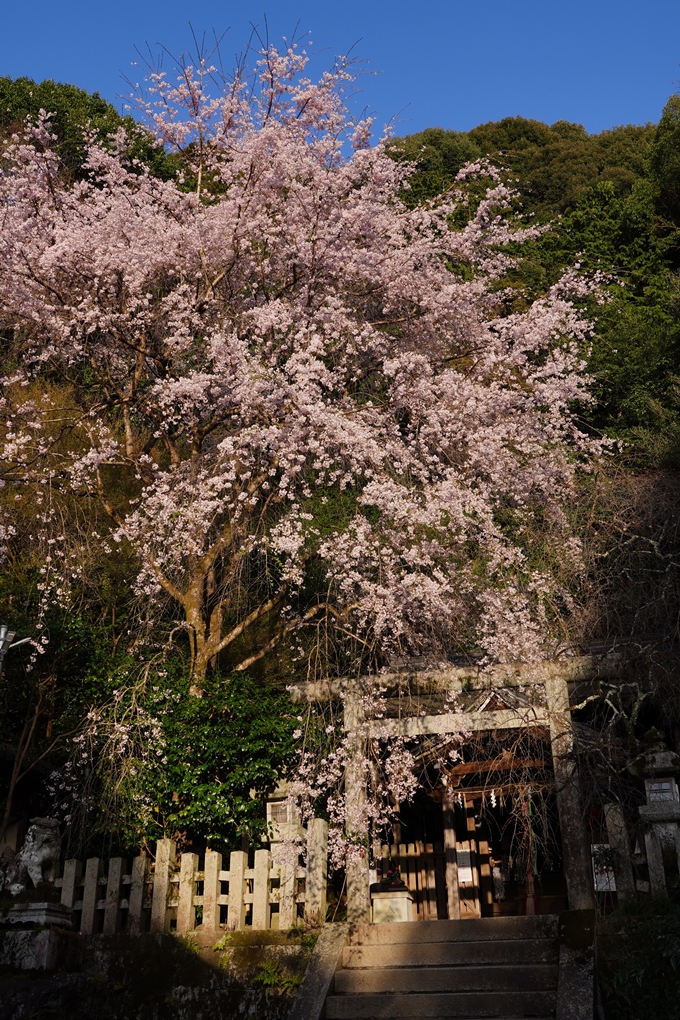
(358, 886)
(474, 905)
(421, 877)
(577, 862)
(93, 869)
(409, 875)
(657, 875)
(238, 862)
(165, 863)
(618, 840)
(452, 897)
(140, 877)
(485, 881)
(186, 911)
(261, 890)
(70, 882)
(113, 889)
(439, 860)
(430, 880)
(317, 872)
(211, 890)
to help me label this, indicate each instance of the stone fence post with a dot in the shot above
(165, 865)
(317, 872)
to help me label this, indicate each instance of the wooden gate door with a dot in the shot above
(422, 867)
(468, 870)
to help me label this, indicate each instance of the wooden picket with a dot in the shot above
(170, 892)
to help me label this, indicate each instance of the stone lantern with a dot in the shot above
(661, 812)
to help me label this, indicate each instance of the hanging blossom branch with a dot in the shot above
(114, 758)
(358, 774)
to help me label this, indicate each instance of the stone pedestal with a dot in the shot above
(32, 950)
(43, 915)
(393, 905)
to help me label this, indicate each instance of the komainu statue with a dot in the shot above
(37, 858)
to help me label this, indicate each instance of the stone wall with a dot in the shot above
(150, 976)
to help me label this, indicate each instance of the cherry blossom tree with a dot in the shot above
(301, 405)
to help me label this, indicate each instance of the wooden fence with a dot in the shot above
(171, 892)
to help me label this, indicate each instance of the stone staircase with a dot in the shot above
(500, 968)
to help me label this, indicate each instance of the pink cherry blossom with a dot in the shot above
(235, 356)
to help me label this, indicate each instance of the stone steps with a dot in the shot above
(442, 954)
(496, 968)
(491, 978)
(505, 1005)
(481, 929)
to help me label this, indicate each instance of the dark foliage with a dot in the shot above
(639, 963)
(72, 113)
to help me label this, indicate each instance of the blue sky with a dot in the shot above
(454, 64)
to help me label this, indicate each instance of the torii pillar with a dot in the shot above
(358, 887)
(577, 861)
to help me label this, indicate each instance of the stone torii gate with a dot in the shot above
(552, 712)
